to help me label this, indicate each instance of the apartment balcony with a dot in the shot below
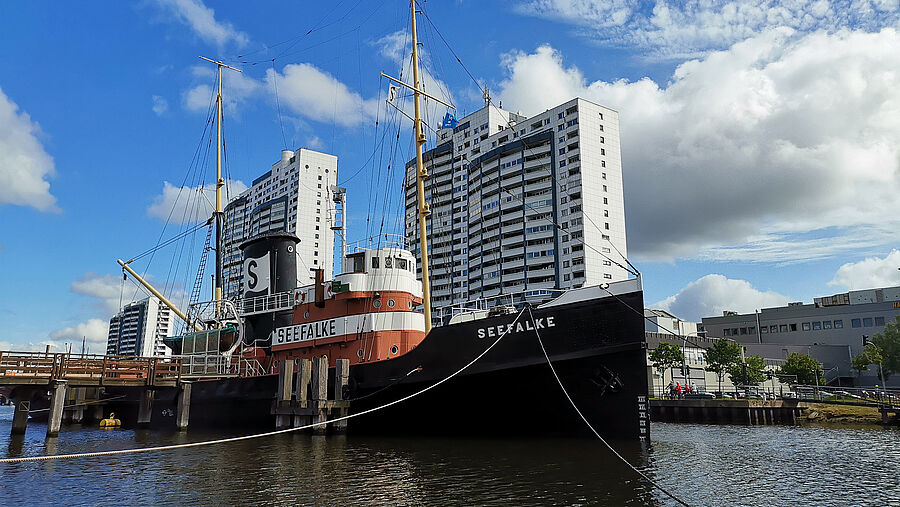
(513, 252)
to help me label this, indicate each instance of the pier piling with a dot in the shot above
(183, 406)
(319, 392)
(341, 377)
(58, 390)
(301, 392)
(20, 417)
(145, 407)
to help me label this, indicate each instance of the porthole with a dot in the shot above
(306, 315)
(394, 349)
(359, 353)
(377, 303)
(290, 249)
(391, 303)
(409, 303)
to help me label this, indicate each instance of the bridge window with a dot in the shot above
(375, 262)
(403, 264)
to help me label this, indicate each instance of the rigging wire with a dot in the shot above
(278, 103)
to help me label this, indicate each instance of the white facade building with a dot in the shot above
(522, 204)
(139, 329)
(295, 196)
(663, 322)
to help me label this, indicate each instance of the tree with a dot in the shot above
(861, 362)
(753, 368)
(888, 341)
(804, 367)
(723, 354)
(665, 356)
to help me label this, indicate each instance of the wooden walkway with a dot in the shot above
(39, 368)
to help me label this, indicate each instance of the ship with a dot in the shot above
(542, 362)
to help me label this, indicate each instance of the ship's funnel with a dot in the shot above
(270, 264)
(270, 267)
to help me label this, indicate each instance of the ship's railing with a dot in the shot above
(536, 296)
(378, 241)
(266, 304)
(217, 365)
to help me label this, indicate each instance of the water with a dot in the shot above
(703, 464)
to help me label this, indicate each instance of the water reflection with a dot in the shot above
(707, 465)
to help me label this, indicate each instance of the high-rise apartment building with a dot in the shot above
(295, 196)
(522, 204)
(139, 329)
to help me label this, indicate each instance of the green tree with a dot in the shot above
(755, 371)
(888, 341)
(804, 367)
(720, 356)
(666, 356)
(861, 362)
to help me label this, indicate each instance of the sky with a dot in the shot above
(760, 139)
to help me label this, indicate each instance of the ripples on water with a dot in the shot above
(703, 464)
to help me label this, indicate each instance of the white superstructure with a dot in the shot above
(139, 329)
(295, 196)
(521, 204)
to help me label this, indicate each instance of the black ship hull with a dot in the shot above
(596, 346)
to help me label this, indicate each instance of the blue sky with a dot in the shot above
(759, 139)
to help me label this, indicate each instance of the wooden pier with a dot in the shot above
(73, 382)
(752, 412)
(303, 398)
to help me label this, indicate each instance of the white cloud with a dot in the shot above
(24, 165)
(317, 95)
(160, 105)
(106, 288)
(869, 273)
(314, 143)
(237, 88)
(202, 20)
(712, 294)
(181, 205)
(690, 28)
(779, 135)
(94, 332)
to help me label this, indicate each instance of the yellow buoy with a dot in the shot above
(111, 421)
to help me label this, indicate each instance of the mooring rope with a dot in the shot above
(589, 425)
(267, 434)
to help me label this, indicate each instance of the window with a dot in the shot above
(601, 128)
(783, 328)
(743, 330)
(375, 262)
(867, 322)
(566, 277)
(605, 189)
(734, 331)
(764, 329)
(607, 276)
(388, 262)
(826, 324)
(727, 332)
(879, 321)
(602, 140)
(805, 326)
(773, 329)
(606, 212)
(559, 116)
(793, 327)
(751, 330)
(856, 323)
(838, 324)
(603, 151)
(606, 226)
(605, 200)
(603, 164)
(817, 326)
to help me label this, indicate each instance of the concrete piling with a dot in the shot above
(145, 407)
(20, 417)
(58, 390)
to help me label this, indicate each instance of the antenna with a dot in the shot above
(486, 93)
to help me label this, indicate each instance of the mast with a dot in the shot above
(220, 182)
(421, 175)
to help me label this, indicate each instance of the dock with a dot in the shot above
(73, 381)
(749, 412)
(303, 395)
